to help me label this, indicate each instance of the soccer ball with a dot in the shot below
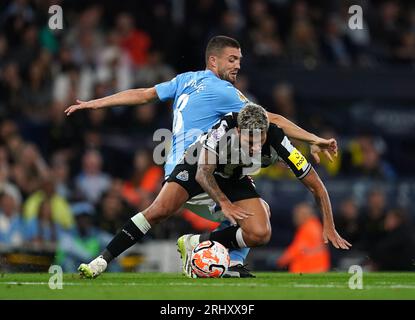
(210, 259)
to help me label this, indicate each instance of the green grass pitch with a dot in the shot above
(169, 286)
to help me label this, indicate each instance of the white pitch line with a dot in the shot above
(373, 286)
(317, 286)
(109, 284)
(194, 284)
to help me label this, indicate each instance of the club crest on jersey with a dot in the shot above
(241, 96)
(183, 175)
(215, 136)
(218, 133)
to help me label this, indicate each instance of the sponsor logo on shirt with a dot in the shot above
(297, 159)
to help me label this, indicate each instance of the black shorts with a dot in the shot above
(234, 188)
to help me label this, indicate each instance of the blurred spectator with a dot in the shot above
(60, 210)
(61, 134)
(372, 219)
(145, 181)
(135, 41)
(143, 122)
(82, 244)
(302, 46)
(72, 83)
(8, 129)
(155, 71)
(14, 144)
(266, 43)
(386, 28)
(64, 83)
(301, 11)
(28, 49)
(336, 47)
(88, 21)
(115, 64)
(96, 120)
(199, 15)
(283, 101)
(29, 169)
(396, 249)
(91, 183)
(327, 168)
(12, 227)
(4, 49)
(5, 184)
(11, 86)
(257, 11)
(113, 212)
(85, 50)
(43, 229)
(307, 253)
(405, 51)
(16, 15)
(348, 222)
(231, 25)
(36, 93)
(61, 174)
(165, 18)
(366, 158)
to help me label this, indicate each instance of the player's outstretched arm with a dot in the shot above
(327, 146)
(204, 176)
(313, 182)
(123, 98)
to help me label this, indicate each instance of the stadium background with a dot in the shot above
(67, 184)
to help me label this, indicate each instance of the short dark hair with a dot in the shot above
(218, 43)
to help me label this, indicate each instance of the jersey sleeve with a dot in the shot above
(167, 90)
(230, 100)
(287, 152)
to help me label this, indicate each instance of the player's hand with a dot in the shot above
(327, 146)
(330, 234)
(81, 105)
(233, 212)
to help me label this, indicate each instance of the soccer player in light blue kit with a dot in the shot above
(200, 99)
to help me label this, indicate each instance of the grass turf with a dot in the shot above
(161, 286)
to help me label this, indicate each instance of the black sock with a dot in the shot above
(124, 239)
(226, 237)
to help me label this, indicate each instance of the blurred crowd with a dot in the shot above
(70, 183)
(382, 237)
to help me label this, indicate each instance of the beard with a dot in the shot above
(227, 76)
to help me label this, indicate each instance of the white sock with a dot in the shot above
(141, 222)
(240, 239)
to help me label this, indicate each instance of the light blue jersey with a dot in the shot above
(200, 100)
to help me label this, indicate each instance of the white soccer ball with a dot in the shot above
(210, 259)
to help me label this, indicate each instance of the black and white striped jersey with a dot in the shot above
(223, 141)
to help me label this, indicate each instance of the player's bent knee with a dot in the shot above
(260, 237)
(158, 211)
